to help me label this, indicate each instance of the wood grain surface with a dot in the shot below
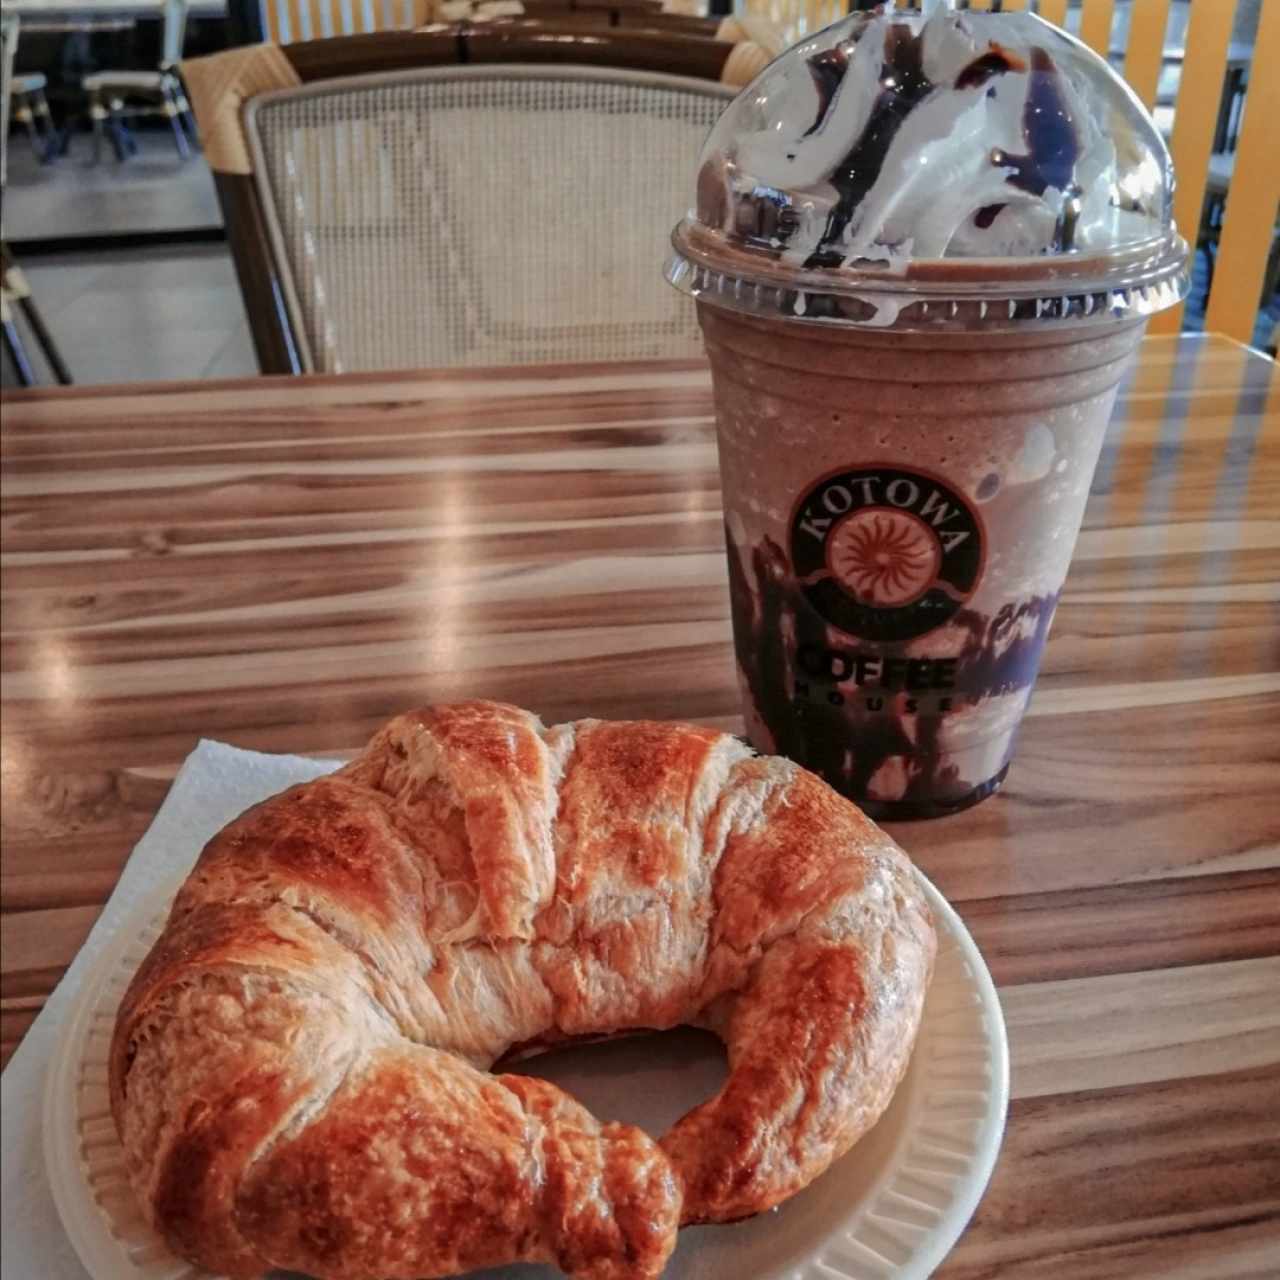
(283, 564)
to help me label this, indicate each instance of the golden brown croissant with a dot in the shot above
(299, 1072)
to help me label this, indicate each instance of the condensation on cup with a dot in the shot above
(923, 252)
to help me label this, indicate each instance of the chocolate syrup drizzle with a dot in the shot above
(1050, 133)
(903, 86)
(980, 70)
(846, 744)
(827, 69)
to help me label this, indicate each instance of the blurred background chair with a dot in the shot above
(30, 108)
(113, 96)
(15, 293)
(430, 214)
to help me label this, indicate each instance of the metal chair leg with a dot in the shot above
(43, 119)
(44, 338)
(15, 349)
(98, 115)
(117, 130)
(23, 114)
(171, 110)
(130, 137)
(186, 116)
(17, 291)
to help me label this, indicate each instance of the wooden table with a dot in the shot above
(282, 564)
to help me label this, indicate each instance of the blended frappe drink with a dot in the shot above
(923, 253)
(907, 544)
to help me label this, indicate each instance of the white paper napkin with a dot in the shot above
(215, 783)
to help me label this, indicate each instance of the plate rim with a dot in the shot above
(104, 1254)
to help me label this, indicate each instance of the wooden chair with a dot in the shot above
(286, 21)
(635, 18)
(649, 15)
(476, 194)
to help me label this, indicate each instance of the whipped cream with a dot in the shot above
(890, 138)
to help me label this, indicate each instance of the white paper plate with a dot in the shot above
(890, 1210)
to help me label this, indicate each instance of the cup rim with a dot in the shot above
(983, 292)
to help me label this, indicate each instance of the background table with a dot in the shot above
(284, 563)
(88, 11)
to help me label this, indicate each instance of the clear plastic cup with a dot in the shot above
(923, 253)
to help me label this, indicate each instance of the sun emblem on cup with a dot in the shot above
(885, 557)
(883, 553)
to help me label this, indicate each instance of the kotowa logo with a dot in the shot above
(885, 554)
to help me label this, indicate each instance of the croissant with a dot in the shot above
(300, 1068)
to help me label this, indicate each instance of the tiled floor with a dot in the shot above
(129, 315)
(152, 191)
(140, 315)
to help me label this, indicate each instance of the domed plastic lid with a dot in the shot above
(903, 170)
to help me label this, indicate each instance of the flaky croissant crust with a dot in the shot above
(299, 1071)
